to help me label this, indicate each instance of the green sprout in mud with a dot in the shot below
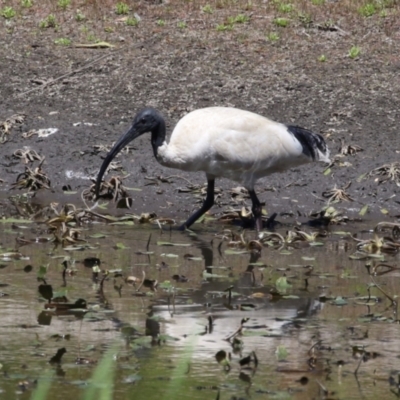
(63, 41)
(79, 17)
(121, 9)
(224, 27)
(92, 38)
(63, 4)
(285, 8)
(181, 25)
(318, 2)
(207, 9)
(132, 22)
(49, 22)
(8, 12)
(354, 52)
(240, 19)
(26, 3)
(305, 19)
(231, 21)
(273, 36)
(368, 10)
(322, 58)
(160, 22)
(282, 22)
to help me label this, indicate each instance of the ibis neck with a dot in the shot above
(158, 136)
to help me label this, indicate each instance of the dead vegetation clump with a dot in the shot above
(387, 172)
(112, 189)
(32, 180)
(27, 155)
(337, 194)
(8, 124)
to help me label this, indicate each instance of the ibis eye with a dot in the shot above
(142, 121)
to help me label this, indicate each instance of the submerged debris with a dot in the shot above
(239, 241)
(32, 180)
(377, 245)
(327, 216)
(113, 189)
(380, 269)
(392, 226)
(275, 239)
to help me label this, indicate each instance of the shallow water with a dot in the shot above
(310, 331)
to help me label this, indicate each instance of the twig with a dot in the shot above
(358, 366)
(394, 302)
(52, 81)
(141, 284)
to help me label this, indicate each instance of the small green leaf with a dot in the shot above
(15, 221)
(230, 251)
(282, 283)
(209, 275)
(98, 236)
(339, 301)
(281, 353)
(384, 211)
(361, 177)
(327, 171)
(159, 243)
(169, 255)
(363, 210)
(129, 223)
(42, 271)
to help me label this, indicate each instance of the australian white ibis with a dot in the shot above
(224, 143)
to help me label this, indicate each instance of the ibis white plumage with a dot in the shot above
(224, 142)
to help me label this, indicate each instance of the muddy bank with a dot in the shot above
(351, 101)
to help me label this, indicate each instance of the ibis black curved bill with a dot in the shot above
(130, 135)
(146, 120)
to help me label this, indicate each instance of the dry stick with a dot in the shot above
(234, 333)
(324, 389)
(394, 302)
(141, 284)
(358, 366)
(148, 243)
(68, 74)
(313, 346)
(82, 68)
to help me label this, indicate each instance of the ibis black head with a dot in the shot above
(147, 120)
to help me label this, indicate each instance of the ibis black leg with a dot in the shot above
(256, 209)
(208, 203)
